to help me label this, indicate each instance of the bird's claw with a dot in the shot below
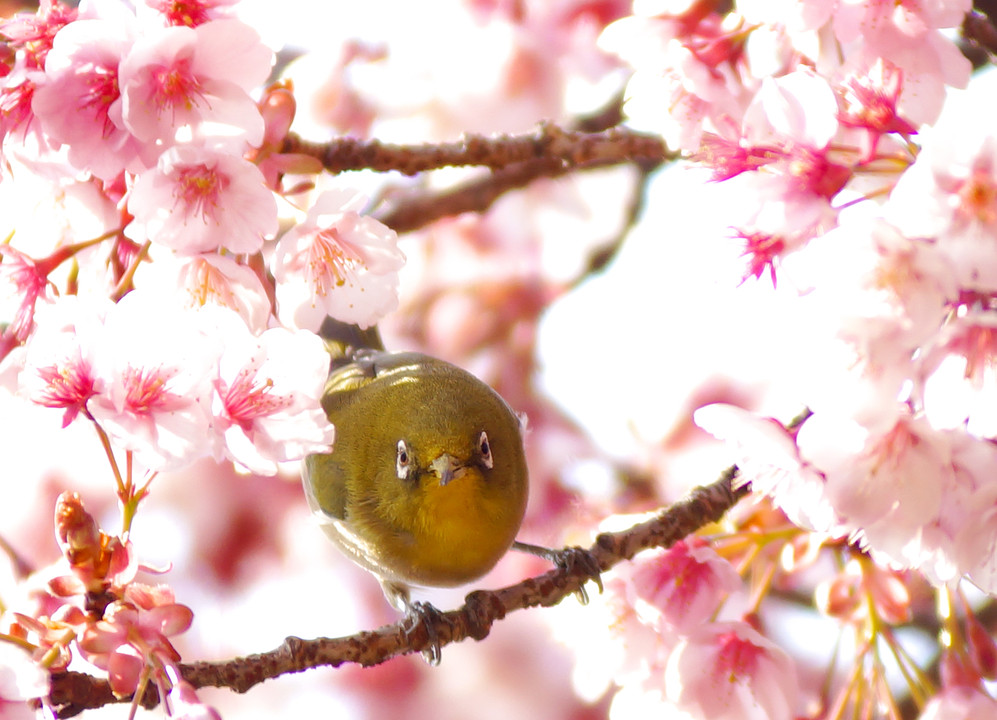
(579, 561)
(573, 560)
(426, 615)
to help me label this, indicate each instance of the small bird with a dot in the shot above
(426, 483)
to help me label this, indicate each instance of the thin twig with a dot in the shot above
(74, 692)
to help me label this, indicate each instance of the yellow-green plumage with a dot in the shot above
(427, 482)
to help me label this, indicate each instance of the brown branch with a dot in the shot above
(548, 142)
(981, 31)
(479, 194)
(473, 196)
(74, 692)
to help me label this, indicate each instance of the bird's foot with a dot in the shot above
(428, 617)
(573, 560)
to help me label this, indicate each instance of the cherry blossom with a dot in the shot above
(24, 282)
(155, 364)
(955, 379)
(18, 124)
(209, 281)
(689, 73)
(191, 13)
(908, 490)
(33, 34)
(768, 458)
(134, 634)
(913, 19)
(949, 193)
(185, 78)
(30, 37)
(681, 587)
(79, 101)
(59, 364)
(620, 650)
(728, 671)
(871, 104)
(199, 199)
(266, 401)
(336, 262)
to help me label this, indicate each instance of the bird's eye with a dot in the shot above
(485, 449)
(402, 460)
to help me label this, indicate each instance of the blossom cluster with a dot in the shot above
(162, 331)
(97, 608)
(160, 284)
(861, 179)
(662, 641)
(886, 232)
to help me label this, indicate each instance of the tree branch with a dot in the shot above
(603, 149)
(980, 30)
(548, 142)
(515, 162)
(73, 692)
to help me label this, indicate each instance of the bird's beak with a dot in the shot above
(447, 468)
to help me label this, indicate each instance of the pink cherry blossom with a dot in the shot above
(972, 521)
(910, 492)
(797, 115)
(950, 194)
(134, 635)
(728, 671)
(796, 109)
(688, 74)
(33, 34)
(912, 42)
(58, 370)
(266, 403)
(156, 363)
(23, 282)
(18, 125)
(209, 281)
(79, 101)
(767, 457)
(198, 199)
(182, 77)
(956, 374)
(336, 262)
(874, 298)
(681, 587)
(191, 13)
(621, 649)
(912, 18)
(870, 104)
(892, 485)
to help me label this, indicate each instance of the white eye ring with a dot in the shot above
(402, 460)
(485, 448)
